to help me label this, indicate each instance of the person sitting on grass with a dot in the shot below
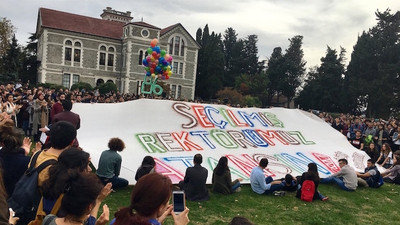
(221, 179)
(110, 164)
(386, 157)
(370, 177)
(392, 175)
(290, 183)
(148, 166)
(345, 178)
(261, 184)
(311, 174)
(149, 203)
(194, 183)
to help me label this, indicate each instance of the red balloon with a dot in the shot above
(167, 77)
(154, 54)
(151, 70)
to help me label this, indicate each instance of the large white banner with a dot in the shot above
(173, 132)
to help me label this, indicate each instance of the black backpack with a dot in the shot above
(26, 196)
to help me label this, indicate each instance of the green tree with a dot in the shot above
(250, 58)
(210, 67)
(29, 61)
(11, 62)
(231, 55)
(375, 67)
(7, 31)
(275, 71)
(295, 68)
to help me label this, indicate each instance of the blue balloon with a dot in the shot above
(161, 59)
(145, 63)
(157, 49)
(148, 74)
(158, 69)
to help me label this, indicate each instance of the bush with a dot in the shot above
(50, 85)
(230, 95)
(107, 88)
(82, 85)
(251, 101)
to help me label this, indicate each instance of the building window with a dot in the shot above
(178, 94)
(99, 82)
(68, 50)
(177, 46)
(66, 80)
(75, 79)
(140, 57)
(106, 55)
(76, 49)
(145, 33)
(173, 91)
(180, 68)
(175, 68)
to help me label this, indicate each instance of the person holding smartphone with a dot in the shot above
(150, 203)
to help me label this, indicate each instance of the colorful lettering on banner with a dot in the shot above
(203, 135)
(271, 119)
(358, 160)
(152, 84)
(149, 143)
(289, 139)
(301, 137)
(201, 116)
(273, 164)
(327, 162)
(223, 139)
(254, 137)
(300, 164)
(245, 165)
(240, 139)
(178, 107)
(186, 160)
(208, 110)
(213, 163)
(166, 140)
(166, 170)
(270, 134)
(252, 116)
(183, 141)
(236, 121)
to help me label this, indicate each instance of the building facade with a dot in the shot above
(74, 48)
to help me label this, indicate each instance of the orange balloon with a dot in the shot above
(153, 42)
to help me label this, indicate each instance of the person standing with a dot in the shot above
(110, 164)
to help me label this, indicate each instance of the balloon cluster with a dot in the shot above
(157, 63)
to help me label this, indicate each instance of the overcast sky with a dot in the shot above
(322, 22)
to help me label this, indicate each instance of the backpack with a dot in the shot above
(26, 196)
(307, 191)
(41, 214)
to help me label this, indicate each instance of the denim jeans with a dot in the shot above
(235, 186)
(117, 182)
(275, 187)
(337, 180)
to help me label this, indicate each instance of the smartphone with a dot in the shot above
(178, 200)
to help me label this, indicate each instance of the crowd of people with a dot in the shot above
(71, 193)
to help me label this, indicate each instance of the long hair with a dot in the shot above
(69, 162)
(222, 166)
(149, 194)
(387, 149)
(80, 192)
(148, 160)
(397, 160)
(312, 172)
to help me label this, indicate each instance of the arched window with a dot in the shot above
(177, 46)
(68, 50)
(77, 51)
(140, 57)
(106, 55)
(99, 82)
(72, 52)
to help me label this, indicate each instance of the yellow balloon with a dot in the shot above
(153, 75)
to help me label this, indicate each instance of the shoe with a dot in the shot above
(238, 189)
(279, 193)
(325, 199)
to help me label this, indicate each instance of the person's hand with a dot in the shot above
(12, 220)
(240, 179)
(44, 129)
(26, 145)
(105, 192)
(38, 147)
(276, 182)
(104, 217)
(182, 218)
(165, 214)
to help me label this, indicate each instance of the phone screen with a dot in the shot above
(179, 201)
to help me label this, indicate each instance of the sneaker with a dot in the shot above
(325, 199)
(238, 189)
(279, 193)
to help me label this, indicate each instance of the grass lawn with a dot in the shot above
(364, 206)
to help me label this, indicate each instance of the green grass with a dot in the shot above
(364, 206)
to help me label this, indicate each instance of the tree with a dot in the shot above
(11, 62)
(295, 68)
(29, 61)
(250, 58)
(375, 66)
(7, 31)
(275, 71)
(324, 86)
(210, 67)
(230, 55)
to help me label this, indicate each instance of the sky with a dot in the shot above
(322, 23)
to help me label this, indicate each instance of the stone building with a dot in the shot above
(74, 48)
